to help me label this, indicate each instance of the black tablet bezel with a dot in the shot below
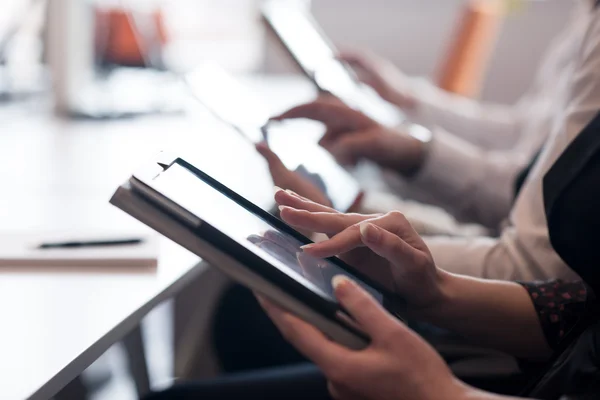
(313, 298)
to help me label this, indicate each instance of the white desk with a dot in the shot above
(60, 175)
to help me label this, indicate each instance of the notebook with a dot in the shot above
(21, 249)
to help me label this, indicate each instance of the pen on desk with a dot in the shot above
(91, 243)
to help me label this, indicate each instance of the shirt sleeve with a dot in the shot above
(488, 125)
(523, 250)
(560, 306)
(425, 219)
(459, 173)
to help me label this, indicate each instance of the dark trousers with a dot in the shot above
(299, 382)
(245, 339)
(259, 364)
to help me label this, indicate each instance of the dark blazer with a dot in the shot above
(572, 203)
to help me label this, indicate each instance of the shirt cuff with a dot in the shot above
(560, 306)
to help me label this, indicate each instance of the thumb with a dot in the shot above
(363, 307)
(349, 149)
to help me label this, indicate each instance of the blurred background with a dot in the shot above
(178, 34)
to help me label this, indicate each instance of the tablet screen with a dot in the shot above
(251, 231)
(228, 100)
(301, 37)
(304, 40)
(293, 141)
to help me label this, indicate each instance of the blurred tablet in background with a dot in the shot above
(295, 142)
(294, 27)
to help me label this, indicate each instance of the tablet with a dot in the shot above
(261, 251)
(295, 28)
(230, 102)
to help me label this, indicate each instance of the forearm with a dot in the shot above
(494, 313)
(473, 183)
(491, 126)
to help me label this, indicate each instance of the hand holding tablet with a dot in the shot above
(247, 243)
(397, 364)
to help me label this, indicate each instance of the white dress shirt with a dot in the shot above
(471, 173)
(472, 177)
(480, 149)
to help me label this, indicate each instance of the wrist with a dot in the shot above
(440, 298)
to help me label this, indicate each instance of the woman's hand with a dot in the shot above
(384, 247)
(290, 180)
(352, 136)
(397, 365)
(387, 80)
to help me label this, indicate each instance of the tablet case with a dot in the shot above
(144, 211)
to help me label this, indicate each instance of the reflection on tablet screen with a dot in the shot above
(287, 250)
(279, 248)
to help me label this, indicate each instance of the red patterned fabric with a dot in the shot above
(560, 306)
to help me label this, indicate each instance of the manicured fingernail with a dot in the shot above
(370, 232)
(340, 282)
(277, 189)
(281, 208)
(308, 246)
(292, 193)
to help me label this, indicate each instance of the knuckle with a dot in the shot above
(422, 260)
(307, 215)
(355, 228)
(397, 216)
(301, 213)
(340, 219)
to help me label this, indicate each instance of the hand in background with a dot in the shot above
(383, 76)
(351, 136)
(290, 180)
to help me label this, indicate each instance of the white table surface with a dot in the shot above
(59, 175)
